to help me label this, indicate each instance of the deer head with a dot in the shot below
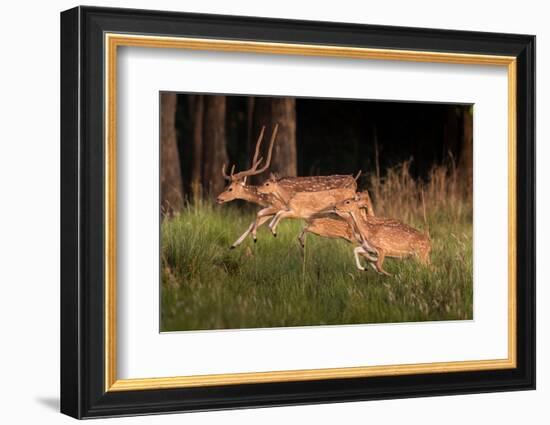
(269, 186)
(272, 187)
(237, 187)
(349, 206)
(235, 190)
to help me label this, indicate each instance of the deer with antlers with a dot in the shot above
(383, 237)
(239, 189)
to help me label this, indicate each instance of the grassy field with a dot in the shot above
(273, 283)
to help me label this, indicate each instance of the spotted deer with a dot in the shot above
(239, 189)
(330, 225)
(319, 193)
(383, 237)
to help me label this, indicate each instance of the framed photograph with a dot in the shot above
(261, 212)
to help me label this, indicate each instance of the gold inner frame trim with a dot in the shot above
(113, 41)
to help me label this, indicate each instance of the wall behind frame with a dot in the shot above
(29, 218)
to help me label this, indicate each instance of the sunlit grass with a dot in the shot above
(273, 283)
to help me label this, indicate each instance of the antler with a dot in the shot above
(255, 161)
(258, 143)
(225, 175)
(271, 143)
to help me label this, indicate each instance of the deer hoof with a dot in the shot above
(232, 247)
(255, 240)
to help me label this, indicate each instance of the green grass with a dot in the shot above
(205, 285)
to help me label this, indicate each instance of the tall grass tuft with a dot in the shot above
(398, 195)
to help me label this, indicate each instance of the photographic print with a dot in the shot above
(283, 211)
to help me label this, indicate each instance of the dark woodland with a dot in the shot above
(199, 133)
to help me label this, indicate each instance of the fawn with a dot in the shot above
(384, 237)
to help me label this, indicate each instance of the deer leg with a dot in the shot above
(367, 255)
(379, 261)
(368, 248)
(251, 229)
(243, 236)
(258, 223)
(371, 260)
(262, 216)
(364, 253)
(273, 221)
(278, 217)
(356, 252)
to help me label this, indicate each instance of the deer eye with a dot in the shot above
(267, 184)
(230, 189)
(347, 202)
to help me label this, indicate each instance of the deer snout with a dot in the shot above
(220, 200)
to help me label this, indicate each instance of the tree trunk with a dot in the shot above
(467, 151)
(282, 111)
(214, 151)
(196, 167)
(171, 183)
(285, 161)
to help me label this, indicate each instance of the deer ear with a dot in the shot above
(272, 176)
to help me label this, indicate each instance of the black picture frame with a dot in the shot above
(83, 392)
